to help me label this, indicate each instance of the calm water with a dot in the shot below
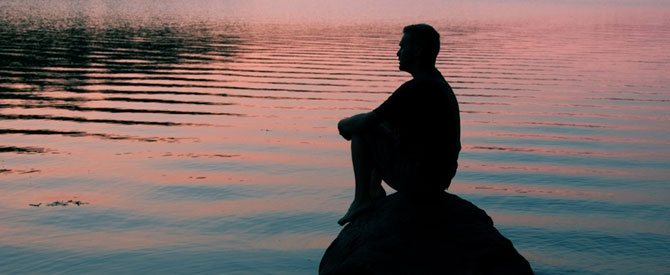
(201, 138)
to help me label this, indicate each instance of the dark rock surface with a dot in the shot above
(443, 234)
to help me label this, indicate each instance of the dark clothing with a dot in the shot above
(399, 171)
(424, 125)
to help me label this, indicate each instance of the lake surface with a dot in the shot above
(201, 138)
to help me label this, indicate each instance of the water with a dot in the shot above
(201, 137)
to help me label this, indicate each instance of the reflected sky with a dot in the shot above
(202, 132)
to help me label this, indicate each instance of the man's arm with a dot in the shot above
(357, 124)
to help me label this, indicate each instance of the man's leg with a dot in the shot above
(376, 189)
(368, 181)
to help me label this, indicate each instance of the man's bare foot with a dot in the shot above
(354, 210)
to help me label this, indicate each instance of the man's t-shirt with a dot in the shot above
(425, 113)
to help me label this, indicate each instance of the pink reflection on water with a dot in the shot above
(577, 193)
(273, 103)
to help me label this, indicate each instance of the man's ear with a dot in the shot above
(417, 51)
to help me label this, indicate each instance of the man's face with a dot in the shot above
(406, 53)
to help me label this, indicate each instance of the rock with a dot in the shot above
(443, 234)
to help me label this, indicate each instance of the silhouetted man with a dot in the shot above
(412, 140)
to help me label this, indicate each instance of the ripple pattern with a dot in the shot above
(214, 144)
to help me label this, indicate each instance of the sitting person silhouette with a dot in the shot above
(412, 140)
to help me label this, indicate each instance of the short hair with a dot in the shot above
(426, 37)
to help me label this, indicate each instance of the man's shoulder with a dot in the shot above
(409, 83)
(423, 83)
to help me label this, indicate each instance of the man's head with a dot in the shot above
(419, 46)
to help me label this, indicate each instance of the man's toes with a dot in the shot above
(354, 210)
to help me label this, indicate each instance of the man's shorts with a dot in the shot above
(398, 168)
